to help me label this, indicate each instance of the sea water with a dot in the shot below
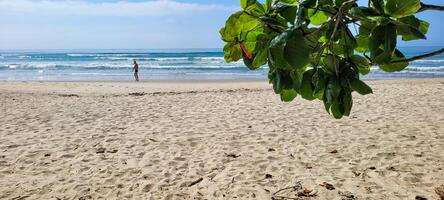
(173, 64)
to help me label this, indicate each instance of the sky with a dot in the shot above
(134, 24)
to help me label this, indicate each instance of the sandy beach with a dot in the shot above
(217, 140)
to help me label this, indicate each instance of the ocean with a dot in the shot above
(176, 64)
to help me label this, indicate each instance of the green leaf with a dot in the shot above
(230, 32)
(379, 20)
(423, 26)
(395, 67)
(333, 91)
(296, 51)
(232, 52)
(363, 12)
(309, 3)
(338, 49)
(276, 57)
(360, 87)
(347, 40)
(273, 79)
(337, 110)
(402, 8)
(348, 103)
(256, 9)
(288, 95)
(290, 14)
(331, 29)
(268, 5)
(290, 2)
(258, 60)
(306, 87)
(366, 28)
(319, 84)
(246, 3)
(247, 23)
(362, 43)
(284, 80)
(378, 5)
(315, 34)
(362, 63)
(412, 28)
(327, 105)
(237, 24)
(382, 43)
(255, 40)
(274, 23)
(330, 64)
(281, 39)
(317, 17)
(278, 85)
(412, 33)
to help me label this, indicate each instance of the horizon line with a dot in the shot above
(141, 49)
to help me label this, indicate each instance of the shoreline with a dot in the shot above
(153, 86)
(225, 77)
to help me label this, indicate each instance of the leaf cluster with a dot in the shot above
(319, 49)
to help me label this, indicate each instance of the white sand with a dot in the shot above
(106, 144)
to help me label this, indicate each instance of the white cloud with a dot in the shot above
(120, 8)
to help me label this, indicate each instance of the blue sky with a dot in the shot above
(133, 24)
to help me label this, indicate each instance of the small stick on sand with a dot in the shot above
(283, 198)
(232, 155)
(298, 186)
(195, 182)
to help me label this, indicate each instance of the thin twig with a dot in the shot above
(298, 186)
(332, 37)
(421, 56)
(338, 17)
(195, 182)
(317, 30)
(425, 7)
(283, 198)
(295, 187)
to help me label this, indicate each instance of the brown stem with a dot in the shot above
(247, 53)
(425, 7)
(421, 56)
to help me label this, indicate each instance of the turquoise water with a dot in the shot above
(164, 64)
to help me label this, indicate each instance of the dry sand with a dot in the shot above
(216, 140)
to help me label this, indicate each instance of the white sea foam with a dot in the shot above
(12, 66)
(420, 68)
(417, 68)
(116, 65)
(428, 61)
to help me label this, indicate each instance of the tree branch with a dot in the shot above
(421, 56)
(425, 7)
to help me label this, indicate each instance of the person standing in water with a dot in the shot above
(136, 70)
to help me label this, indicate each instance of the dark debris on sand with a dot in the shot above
(69, 95)
(137, 94)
